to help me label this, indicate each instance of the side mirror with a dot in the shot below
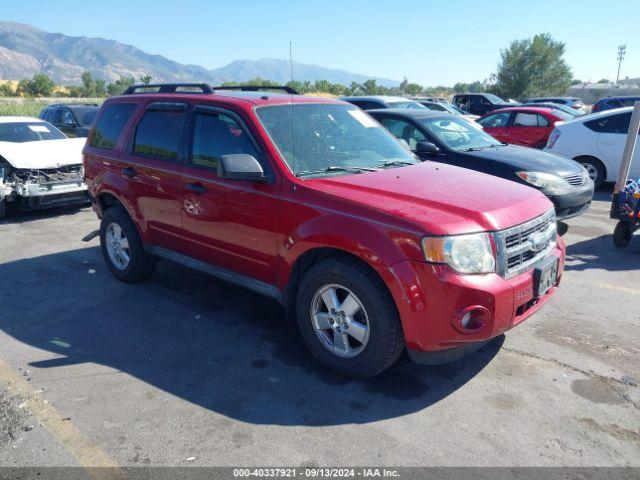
(427, 148)
(241, 167)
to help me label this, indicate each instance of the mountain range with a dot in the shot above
(26, 51)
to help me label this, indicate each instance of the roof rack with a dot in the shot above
(257, 88)
(169, 88)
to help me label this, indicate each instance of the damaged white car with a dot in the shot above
(39, 166)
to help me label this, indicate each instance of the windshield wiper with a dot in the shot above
(335, 168)
(394, 163)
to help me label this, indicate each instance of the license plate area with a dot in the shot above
(545, 276)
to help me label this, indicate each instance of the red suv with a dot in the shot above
(312, 202)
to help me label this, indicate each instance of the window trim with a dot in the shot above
(215, 110)
(170, 107)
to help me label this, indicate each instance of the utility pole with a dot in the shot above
(622, 50)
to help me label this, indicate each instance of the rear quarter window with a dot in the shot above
(109, 127)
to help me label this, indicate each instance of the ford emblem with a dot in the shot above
(538, 242)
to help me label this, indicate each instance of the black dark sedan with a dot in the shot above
(453, 139)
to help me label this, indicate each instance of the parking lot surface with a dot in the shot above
(187, 370)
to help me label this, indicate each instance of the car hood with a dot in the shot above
(527, 159)
(43, 154)
(438, 199)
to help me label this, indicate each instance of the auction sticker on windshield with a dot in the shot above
(39, 128)
(363, 118)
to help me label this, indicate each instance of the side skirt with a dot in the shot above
(249, 283)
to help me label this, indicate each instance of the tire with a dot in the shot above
(383, 341)
(595, 168)
(3, 209)
(139, 265)
(622, 234)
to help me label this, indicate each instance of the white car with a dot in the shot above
(39, 166)
(596, 141)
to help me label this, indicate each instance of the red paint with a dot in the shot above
(261, 230)
(527, 136)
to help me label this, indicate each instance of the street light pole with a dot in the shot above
(622, 50)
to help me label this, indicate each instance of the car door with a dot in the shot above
(527, 129)
(496, 125)
(229, 223)
(612, 137)
(151, 166)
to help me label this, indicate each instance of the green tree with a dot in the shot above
(92, 87)
(146, 79)
(413, 89)
(6, 90)
(604, 80)
(119, 86)
(575, 81)
(533, 67)
(40, 86)
(370, 87)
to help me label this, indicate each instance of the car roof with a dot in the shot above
(550, 98)
(592, 116)
(384, 98)
(619, 97)
(414, 113)
(547, 110)
(20, 119)
(231, 96)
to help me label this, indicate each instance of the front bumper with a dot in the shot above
(574, 203)
(430, 299)
(38, 196)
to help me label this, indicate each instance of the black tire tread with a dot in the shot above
(362, 274)
(141, 264)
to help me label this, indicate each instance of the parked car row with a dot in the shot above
(311, 201)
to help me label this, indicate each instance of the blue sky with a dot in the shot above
(430, 42)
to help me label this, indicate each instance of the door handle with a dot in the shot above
(607, 142)
(196, 188)
(129, 172)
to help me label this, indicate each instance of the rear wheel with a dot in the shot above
(3, 208)
(622, 234)
(122, 248)
(595, 169)
(348, 319)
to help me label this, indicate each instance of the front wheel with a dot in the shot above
(122, 248)
(595, 169)
(348, 319)
(622, 234)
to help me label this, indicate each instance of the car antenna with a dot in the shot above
(293, 144)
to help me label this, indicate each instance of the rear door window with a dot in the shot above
(611, 124)
(215, 135)
(159, 134)
(109, 127)
(525, 120)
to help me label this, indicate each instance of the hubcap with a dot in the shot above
(591, 170)
(340, 321)
(117, 246)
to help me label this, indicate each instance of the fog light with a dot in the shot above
(472, 319)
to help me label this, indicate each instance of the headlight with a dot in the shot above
(464, 253)
(546, 181)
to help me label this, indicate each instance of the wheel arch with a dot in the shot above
(580, 158)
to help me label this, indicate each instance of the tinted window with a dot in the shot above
(435, 106)
(495, 121)
(216, 135)
(629, 102)
(85, 115)
(404, 131)
(110, 125)
(159, 134)
(612, 124)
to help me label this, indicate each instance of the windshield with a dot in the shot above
(330, 139)
(458, 134)
(405, 104)
(493, 98)
(85, 115)
(20, 132)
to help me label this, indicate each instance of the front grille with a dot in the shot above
(576, 180)
(522, 246)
